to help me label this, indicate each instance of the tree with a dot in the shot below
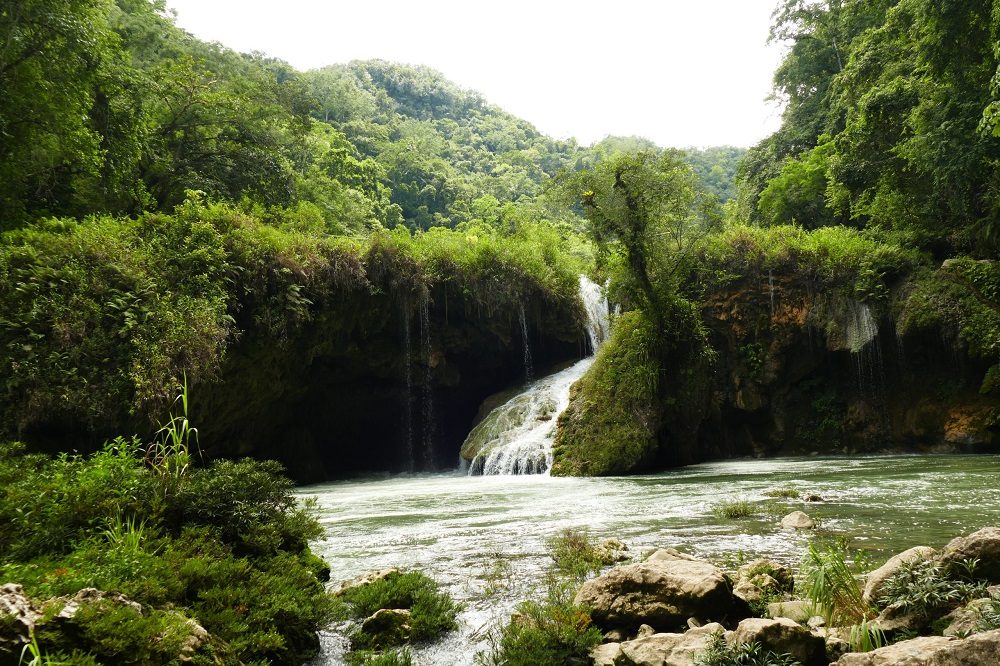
(645, 207)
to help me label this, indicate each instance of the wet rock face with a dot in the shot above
(976, 650)
(664, 591)
(802, 371)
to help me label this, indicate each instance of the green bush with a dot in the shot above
(232, 553)
(927, 589)
(432, 611)
(576, 554)
(551, 632)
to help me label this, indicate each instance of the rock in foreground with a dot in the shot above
(976, 650)
(664, 591)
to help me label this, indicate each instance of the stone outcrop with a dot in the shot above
(983, 546)
(18, 616)
(663, 591)
(965, 620)
(782, 635)
(876, 579)
(797, 610)
(976, 650)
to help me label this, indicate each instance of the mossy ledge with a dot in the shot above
(831, 341)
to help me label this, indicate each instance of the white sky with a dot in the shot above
(680, 72)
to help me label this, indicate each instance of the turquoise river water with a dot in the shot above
(462, 530)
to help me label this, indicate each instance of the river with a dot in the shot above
(456, 528)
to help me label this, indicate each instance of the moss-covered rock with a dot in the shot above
(642, 401)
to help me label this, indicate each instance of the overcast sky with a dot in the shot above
(680, 72)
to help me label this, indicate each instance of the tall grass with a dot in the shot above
(836, 591)
(170, 452)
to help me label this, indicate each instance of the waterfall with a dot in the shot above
(408, 382)
(770, 288)
(427, 388)
(516, 437)
(596, 307)
(528, 369)
(861, 326)
(862, 340)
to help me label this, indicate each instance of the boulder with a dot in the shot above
(605, 654)
(91, 595)
(798, 520)
(796, 611)
(777, 572)
(783, 636)
(965, 620)
(387, 627)
(876, 579)
(895, 618)
(17, 619)
(367, 579)
(664, 591)
(976, 650)
(667, 649)
(983, 545)
(611, 551)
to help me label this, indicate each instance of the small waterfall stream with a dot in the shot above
(516, 437)
(427, 388)
(529, 370)
(407, 415)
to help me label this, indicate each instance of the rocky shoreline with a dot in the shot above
(666, 609)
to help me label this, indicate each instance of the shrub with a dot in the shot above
(927, 589)
(551, 632)
(232, 555)
(576, 554)
(720, 653)
(432, 611)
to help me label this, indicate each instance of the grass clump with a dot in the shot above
(835, 589)
(576, 554)
(736, 509)
(782, 493)
(720, 653)
(989, 617)
(432, 611)
(385, 658)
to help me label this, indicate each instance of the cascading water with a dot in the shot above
(516, 437)
(862, 340)
(528, 369)
(427, 388)
(596, 306)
